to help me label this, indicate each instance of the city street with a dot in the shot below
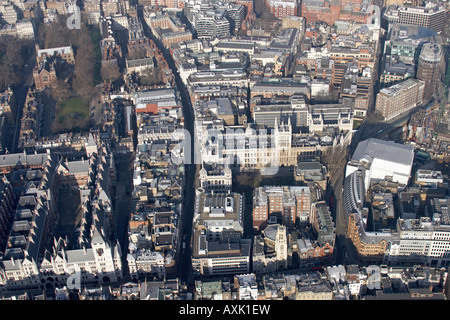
(184, 265)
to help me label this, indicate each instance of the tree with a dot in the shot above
(137, 53)
(150, 77)
(13, 54)
(374, 117)
(8, 77)
(246, 180)
(333, 158)
(61, 91)
(56, 34)
(85, 45)
(326, 96)
(84, 65)
(110, 71)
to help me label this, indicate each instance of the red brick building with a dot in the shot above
(175, 37)
(331, 11)
(282, 8)
(44, 75)
(287, 204)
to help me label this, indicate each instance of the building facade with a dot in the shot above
(287, 204)
(421, 241)
(282, 8)
(270, 249)
(431, 15)
(400, 98)
(429, 68)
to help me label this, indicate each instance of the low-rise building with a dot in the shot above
(139, 66)
(152, 101)
(311, 171)
(26, 29)
(218, 247)
(215, 177)
(74, 174)
(383, 160)
(428, 178)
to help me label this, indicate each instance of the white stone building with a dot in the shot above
(421, 241)
(382, 160)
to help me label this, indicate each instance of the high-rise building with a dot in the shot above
(406, 41)
(431, 15)
(429, 68)
(235, 13)
(9, 13)
(400, 98)
(214, 20)
(211, 25)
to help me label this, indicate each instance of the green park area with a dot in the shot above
(71, 115)
(73, 108)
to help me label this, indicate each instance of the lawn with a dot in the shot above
(357, 124)
(73, 108)
(71, 115)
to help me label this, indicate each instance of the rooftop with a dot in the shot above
(371, 149)
(400, 87)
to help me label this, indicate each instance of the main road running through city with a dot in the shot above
(184, 264)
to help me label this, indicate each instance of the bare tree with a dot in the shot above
(13, 54)
(84, 65)
(374, 117)
(248, 179)
(150, 76)
(61, 91)
(138, 53)
(110, 71)
(334, 158)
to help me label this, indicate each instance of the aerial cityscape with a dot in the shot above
(236, 150)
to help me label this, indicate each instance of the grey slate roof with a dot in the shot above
(23, 159)
(385, 150)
